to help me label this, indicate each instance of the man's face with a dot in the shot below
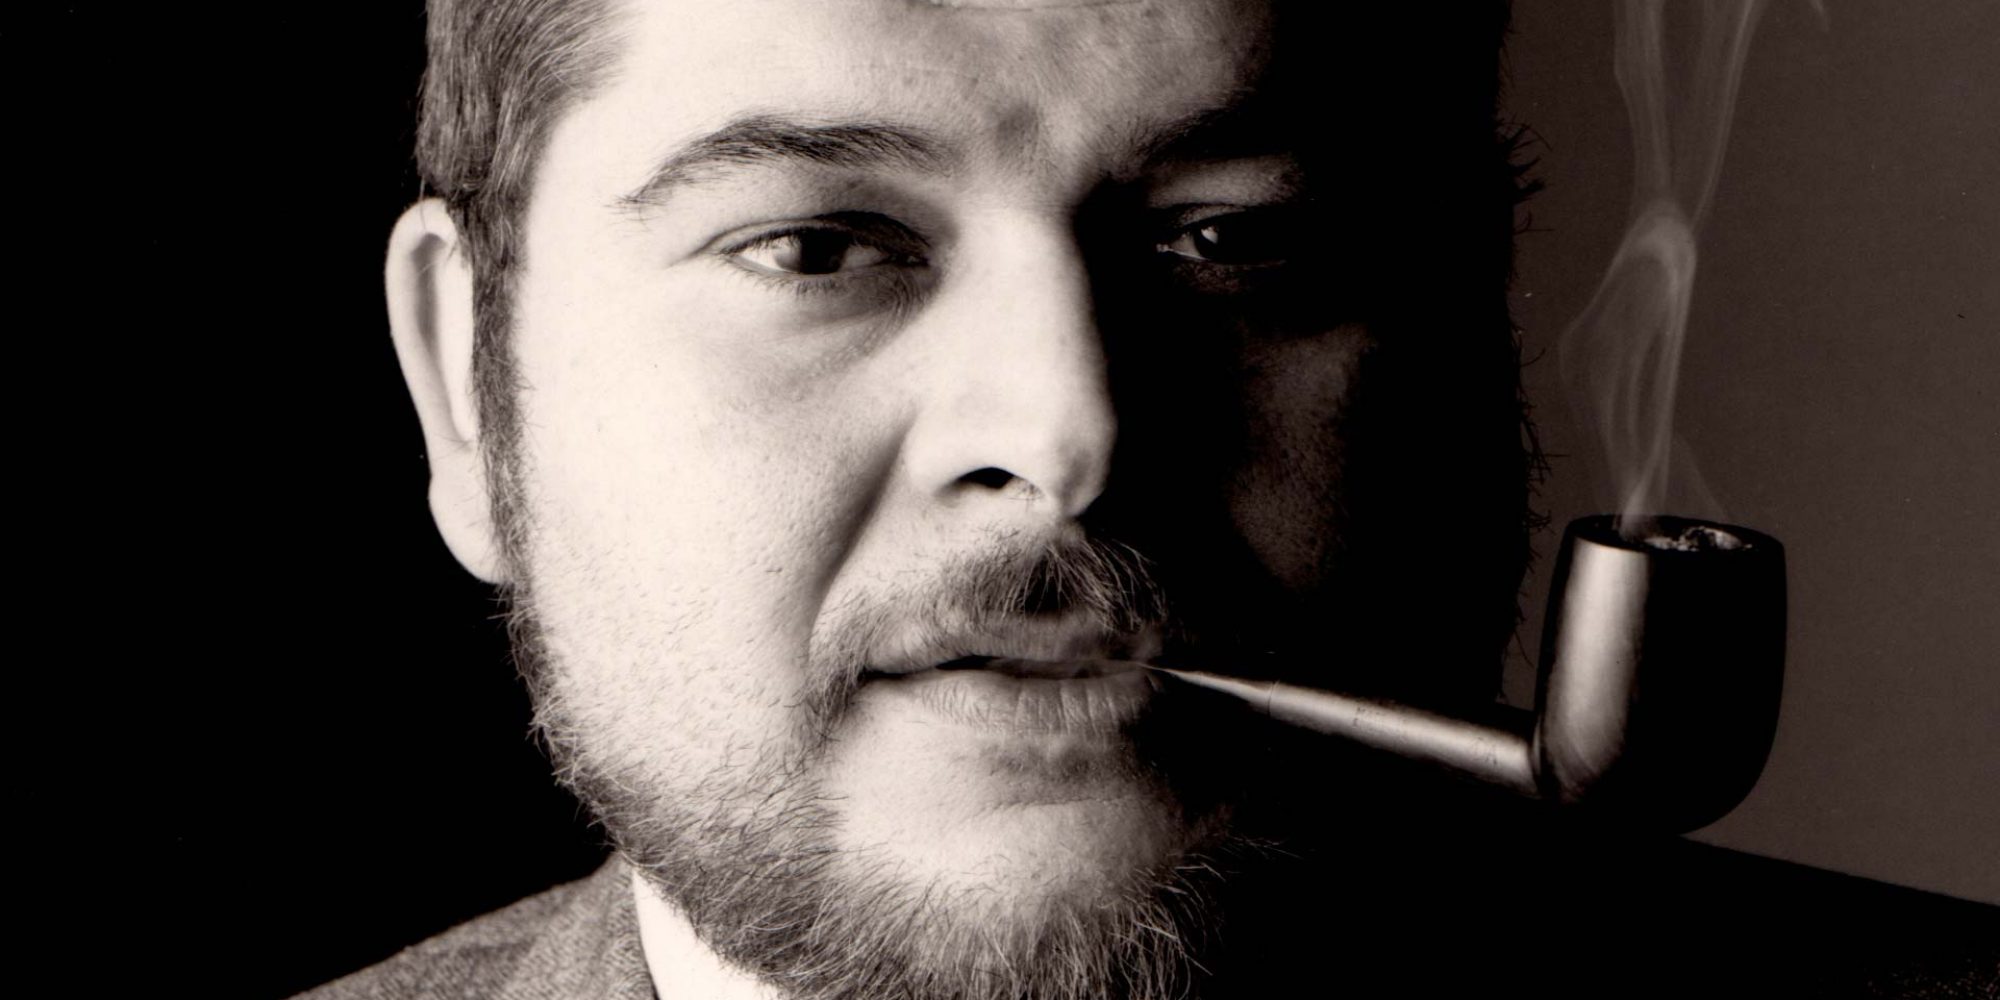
(858, 338)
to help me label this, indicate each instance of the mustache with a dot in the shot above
(1093, 584)
(1108, 583)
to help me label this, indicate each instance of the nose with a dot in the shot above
(1016, 402)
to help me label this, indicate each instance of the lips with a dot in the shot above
(1054, 670)
(1025, 705)
(1032, 677)
(1049, 639)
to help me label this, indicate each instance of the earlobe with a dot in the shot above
(430, 295)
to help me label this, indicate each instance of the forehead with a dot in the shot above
(1061, 83)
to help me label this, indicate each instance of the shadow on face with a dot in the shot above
(810, 307)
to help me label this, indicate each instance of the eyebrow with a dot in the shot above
(1241, 129)
(1211, 133)
(767, 139)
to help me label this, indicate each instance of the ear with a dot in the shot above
(430, 315)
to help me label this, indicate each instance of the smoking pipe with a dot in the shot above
(1657, 694)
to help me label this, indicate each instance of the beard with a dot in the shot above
(748, 854)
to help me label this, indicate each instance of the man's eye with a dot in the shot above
(1241, 239)
(815, 251)
(829, 247)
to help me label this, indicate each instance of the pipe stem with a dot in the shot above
(1495, 754)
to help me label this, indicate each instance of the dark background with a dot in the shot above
(318, 752)
(329, 755)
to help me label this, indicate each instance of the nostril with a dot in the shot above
(989, 477)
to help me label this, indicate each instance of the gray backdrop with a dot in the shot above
(1838, 391)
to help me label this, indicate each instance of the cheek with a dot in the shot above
(1285, 497)
(685, 517)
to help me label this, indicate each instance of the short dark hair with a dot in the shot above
(500, 72)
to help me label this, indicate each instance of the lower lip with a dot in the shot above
(999, 702)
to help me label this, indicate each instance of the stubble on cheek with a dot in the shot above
(672, 575)
(638, 705)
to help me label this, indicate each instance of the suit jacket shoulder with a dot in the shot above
(574, 941)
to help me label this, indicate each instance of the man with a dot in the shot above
(847, 394)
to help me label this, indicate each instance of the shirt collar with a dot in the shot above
(684, 968)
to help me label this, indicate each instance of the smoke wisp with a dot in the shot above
(1621, 357)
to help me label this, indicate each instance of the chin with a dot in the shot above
(990, 892)
(913, 859)
(1007, 829)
